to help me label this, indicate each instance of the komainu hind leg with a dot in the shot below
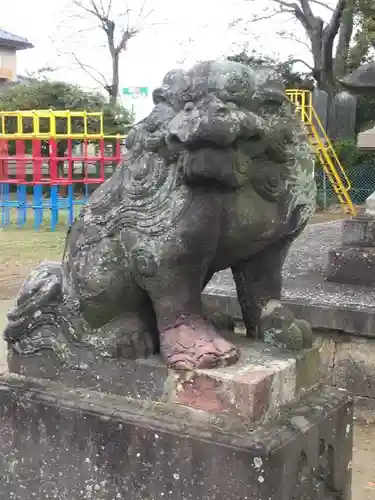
(48, 315)
(118, 311)
(259, 283)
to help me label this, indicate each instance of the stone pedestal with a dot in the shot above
(262, 429)
(264, 379)
(366, 140)
(354, 261)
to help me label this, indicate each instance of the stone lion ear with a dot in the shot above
(268, 76)
(130, 138)
(158, 95)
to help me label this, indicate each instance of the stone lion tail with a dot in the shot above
(35, 323)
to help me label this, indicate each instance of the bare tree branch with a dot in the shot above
(329, 33)
(90, 70)
(292, 5)
(236, 22)
(127, 34)
(332, 27)
(293, 61)
(321, 35)
(301, 11)
(344, 39)
(82, 6)
(322, 4)
(109, 8)
(81, 31)
(117, 38)
(286, 4)
(291, 36)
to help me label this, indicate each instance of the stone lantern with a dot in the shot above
(354, 261)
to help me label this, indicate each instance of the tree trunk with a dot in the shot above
(324, 81)
(322, 68)
(321, 38)
(340, 65)
(115, 80)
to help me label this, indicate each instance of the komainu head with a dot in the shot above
(220, 123)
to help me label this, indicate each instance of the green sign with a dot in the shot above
(135, 91)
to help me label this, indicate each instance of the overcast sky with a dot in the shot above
(176, 33)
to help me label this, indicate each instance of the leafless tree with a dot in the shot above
(328, 62)
(118, 30)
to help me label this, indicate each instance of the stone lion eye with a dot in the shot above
(189, 106)
(236, 85)
(270, 106)
(232, 106)
(222, 110)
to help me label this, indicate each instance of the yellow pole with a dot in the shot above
(52, 124)
(19, 123)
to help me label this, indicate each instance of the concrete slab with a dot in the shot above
(326, 305)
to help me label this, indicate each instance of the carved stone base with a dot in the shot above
(359, 231)
(354, 262)
(350, 265)
(62, 443)
(264, 379)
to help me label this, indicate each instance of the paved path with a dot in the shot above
(304, 279)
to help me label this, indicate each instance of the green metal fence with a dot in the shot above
(362, 178)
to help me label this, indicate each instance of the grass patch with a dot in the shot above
(21, 249)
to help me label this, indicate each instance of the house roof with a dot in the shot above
(7, 39)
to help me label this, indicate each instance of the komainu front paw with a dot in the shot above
(193, 343)
(279, 327)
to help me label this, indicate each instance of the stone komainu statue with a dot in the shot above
(219, 175)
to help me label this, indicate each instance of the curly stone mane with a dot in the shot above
(150, 175)
(140, 192)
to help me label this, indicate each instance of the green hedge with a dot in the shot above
(351, 156)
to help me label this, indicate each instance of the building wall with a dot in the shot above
(8, 61)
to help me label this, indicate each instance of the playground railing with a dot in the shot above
(49, 169)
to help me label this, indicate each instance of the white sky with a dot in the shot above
(177, 32)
